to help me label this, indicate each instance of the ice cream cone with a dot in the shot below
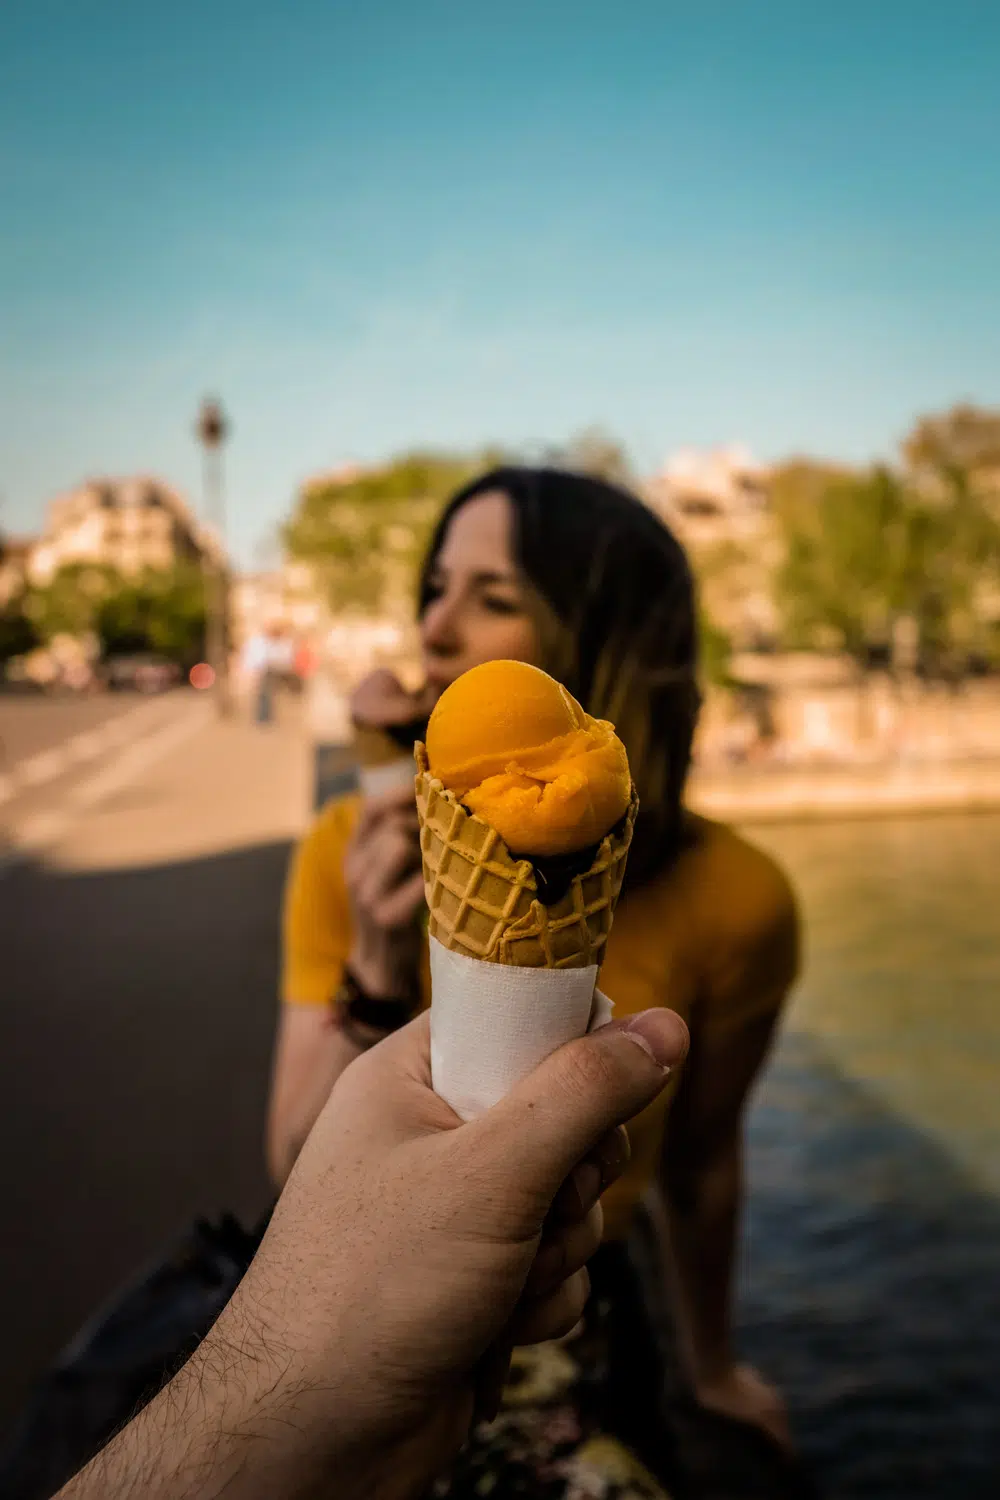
(485, 904)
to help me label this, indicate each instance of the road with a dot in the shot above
(139, 906)
(32, 723)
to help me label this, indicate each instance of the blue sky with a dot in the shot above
(413, 222)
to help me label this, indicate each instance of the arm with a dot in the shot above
(314, 1381)
(700, 1178)
(352, 899)
(310, 1055)
(701, 1185)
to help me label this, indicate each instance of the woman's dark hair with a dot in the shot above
(617, 617)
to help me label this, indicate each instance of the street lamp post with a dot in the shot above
(212, 429)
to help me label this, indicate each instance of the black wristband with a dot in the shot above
(381, 1013)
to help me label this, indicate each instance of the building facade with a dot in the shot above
(717, 503)
(126, 524)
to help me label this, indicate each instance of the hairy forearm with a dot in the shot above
(248, 1419)
(701, 1218)
(198, 1436)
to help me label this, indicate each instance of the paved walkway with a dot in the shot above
(140, 961)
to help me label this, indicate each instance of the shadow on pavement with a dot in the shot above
(135, 1042)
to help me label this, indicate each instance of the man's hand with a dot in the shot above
(407, 1253)
(407, 1244)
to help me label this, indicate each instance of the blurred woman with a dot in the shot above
(579, 577)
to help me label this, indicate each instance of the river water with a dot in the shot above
(871, 1279)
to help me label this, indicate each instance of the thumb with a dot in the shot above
(559, 1113)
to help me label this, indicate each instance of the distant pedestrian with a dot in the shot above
(267, 657)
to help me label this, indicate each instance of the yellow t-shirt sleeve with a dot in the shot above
(316, 926)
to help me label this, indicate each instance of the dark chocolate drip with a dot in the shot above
(555, 873)
(406, 735)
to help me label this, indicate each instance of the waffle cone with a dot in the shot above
(484, 903)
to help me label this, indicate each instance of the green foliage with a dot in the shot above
(18, 634)
(365, 534)
(964, 441)
(68, 605)
(715, 649)
(594, 451)
(797, 486)
(871, 551)
(162, 612)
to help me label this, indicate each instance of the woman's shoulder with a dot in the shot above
(736, 893)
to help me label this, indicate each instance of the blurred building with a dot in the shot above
(716, 502)
(286, 597)
(127, 524)
(712, 496)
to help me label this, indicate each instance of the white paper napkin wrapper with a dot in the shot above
(374, 780)
(492, 1024)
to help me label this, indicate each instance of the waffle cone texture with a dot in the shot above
(484, 903)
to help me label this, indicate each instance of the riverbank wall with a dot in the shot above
(771, 794)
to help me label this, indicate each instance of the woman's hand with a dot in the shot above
(381, 701)
(743, 1394)
(385, 887)
(382, 865)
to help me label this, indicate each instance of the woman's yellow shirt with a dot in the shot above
(714, 938)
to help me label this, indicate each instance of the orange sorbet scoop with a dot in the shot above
(518, 750)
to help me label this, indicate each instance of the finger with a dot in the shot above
(373, 809)
(554, 1316)
(399, 908)
(589, 1178)
(557, 1115)
(393, 856)
(377, 698)
(564, 1252)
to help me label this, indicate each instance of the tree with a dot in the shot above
(365, 533)
(871, 551)
(18, 634)
(594, 451)
(162, 612)
(797, 486)
(69, 603)
(158, 611)
(963, 441)
(715, 651)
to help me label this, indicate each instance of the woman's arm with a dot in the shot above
(310, 1055)
(701, 1174)
(701, 1187)
(352, 899)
